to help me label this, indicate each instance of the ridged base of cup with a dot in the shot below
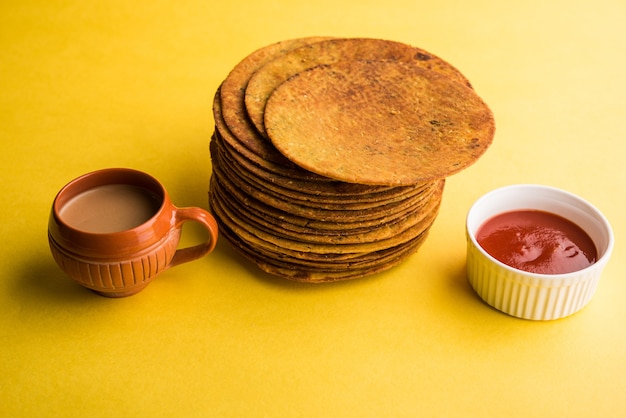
(116, 278)
(121, 294)
(525, 296)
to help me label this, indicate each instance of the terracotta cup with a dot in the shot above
(122, 262)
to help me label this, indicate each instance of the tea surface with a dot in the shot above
(110, 208)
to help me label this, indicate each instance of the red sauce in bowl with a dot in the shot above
(537, 242)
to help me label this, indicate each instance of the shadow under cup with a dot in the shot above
(532, 295)
(114, 230)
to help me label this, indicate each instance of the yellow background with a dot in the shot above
(87, 85)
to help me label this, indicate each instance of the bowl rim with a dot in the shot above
(589, 208)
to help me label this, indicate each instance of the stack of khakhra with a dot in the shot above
(330, 154)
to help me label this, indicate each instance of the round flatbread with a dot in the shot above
(274, 72)
(378, 123)
(287, 270)
(232, 96)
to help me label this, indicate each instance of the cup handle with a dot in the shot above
(203, 217)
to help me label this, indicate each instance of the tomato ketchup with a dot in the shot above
(537, 241)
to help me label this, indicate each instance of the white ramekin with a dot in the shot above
(530, 295)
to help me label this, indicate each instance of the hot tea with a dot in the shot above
(110, 208)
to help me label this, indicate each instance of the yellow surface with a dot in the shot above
(87, 85)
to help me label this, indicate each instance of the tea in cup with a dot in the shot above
(114, 230)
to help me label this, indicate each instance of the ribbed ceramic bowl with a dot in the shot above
(530, 295)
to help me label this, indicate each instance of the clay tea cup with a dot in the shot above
(114, 230)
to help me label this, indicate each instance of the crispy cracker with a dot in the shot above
(332, 192)
(232, 95)
(270, 187)
(237, 186)
(385, 228)
(378, 123)
(274, 72)
(307, 274)
(271, 241)
(283, 220)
